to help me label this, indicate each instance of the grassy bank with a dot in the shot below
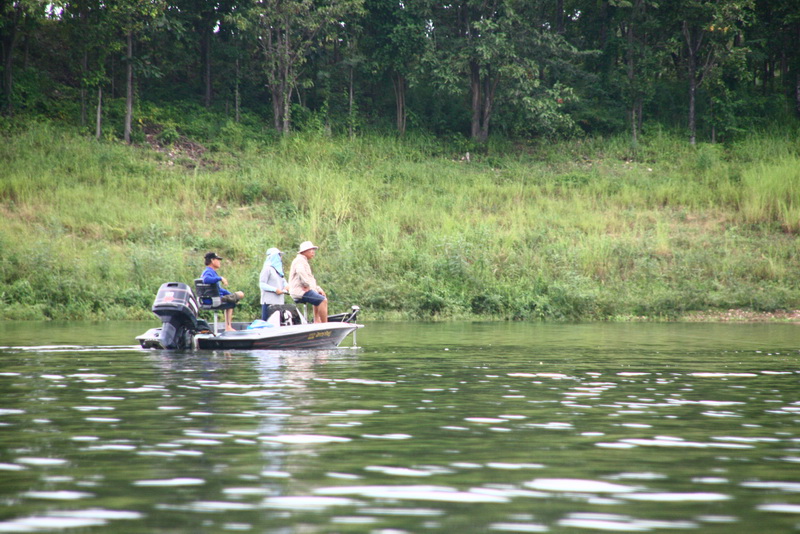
(408, 227)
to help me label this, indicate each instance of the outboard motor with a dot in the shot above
(177, 308)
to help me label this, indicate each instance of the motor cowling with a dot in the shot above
(177, 308)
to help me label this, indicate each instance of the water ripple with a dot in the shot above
(574, 485)
(677, 497)
(62, 495)
(420, 493)
(309, 502)
(170, 482)
(303, 439)
(784, 508)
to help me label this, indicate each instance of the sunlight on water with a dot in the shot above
(575, 485)
(301, 439)
(56, 495)
(415, 492)
(428, 428)
(676, 497)
(621, 523)
(301, 502)
(172, 482)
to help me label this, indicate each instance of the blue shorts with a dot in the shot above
(312, 297)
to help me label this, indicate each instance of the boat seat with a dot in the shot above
(304, 313)
(288, 313)
(209, 292)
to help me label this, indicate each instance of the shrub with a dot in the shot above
(771, 193)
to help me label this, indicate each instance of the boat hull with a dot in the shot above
(297, 337)
(310, 336)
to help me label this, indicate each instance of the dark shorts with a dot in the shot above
(312, 297)
(232, 298)
(227, 302)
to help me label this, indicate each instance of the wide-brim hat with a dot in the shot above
(306, 245)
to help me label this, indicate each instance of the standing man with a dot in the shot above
(228, 299)
(302, 284)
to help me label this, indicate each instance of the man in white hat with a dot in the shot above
(302, 284)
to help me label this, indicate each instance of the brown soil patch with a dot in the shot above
(183, 151)
(743, 316)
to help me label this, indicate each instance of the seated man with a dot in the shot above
(228, 299)
(302, 284)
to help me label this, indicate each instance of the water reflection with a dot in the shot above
(470, 427)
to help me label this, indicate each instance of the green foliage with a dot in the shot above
(537, 70)
(168, 135)
(771, 194)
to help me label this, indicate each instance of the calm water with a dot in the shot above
(427, 428)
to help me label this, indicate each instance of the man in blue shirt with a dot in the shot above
(229, 300)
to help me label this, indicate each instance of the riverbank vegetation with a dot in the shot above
(413, 226)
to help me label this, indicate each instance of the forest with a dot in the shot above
(711, 69)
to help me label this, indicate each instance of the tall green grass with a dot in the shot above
(771, 193)
(587, 229)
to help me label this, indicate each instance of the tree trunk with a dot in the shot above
(350, 126)
(489, 87)
(84, 71)
(285, 81)
(692, 45)
(280, 81)
(797, 78)
(287, 111)
(399, 83)
(8, 43)
(784, 69)
(26, 50)
(483, 89)
(84, 92)
(475, 91)
(639, 112)
(603, 38)
(99, 117)
(281, 105)
(559, 17)
(277, 108)
(237, 96)
(631, 72)
(8, 79)
(205, 52)
(129, 84)
(713, 123)
(692, 99)
(797, 93)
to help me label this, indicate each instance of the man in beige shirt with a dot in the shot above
(302, 284)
